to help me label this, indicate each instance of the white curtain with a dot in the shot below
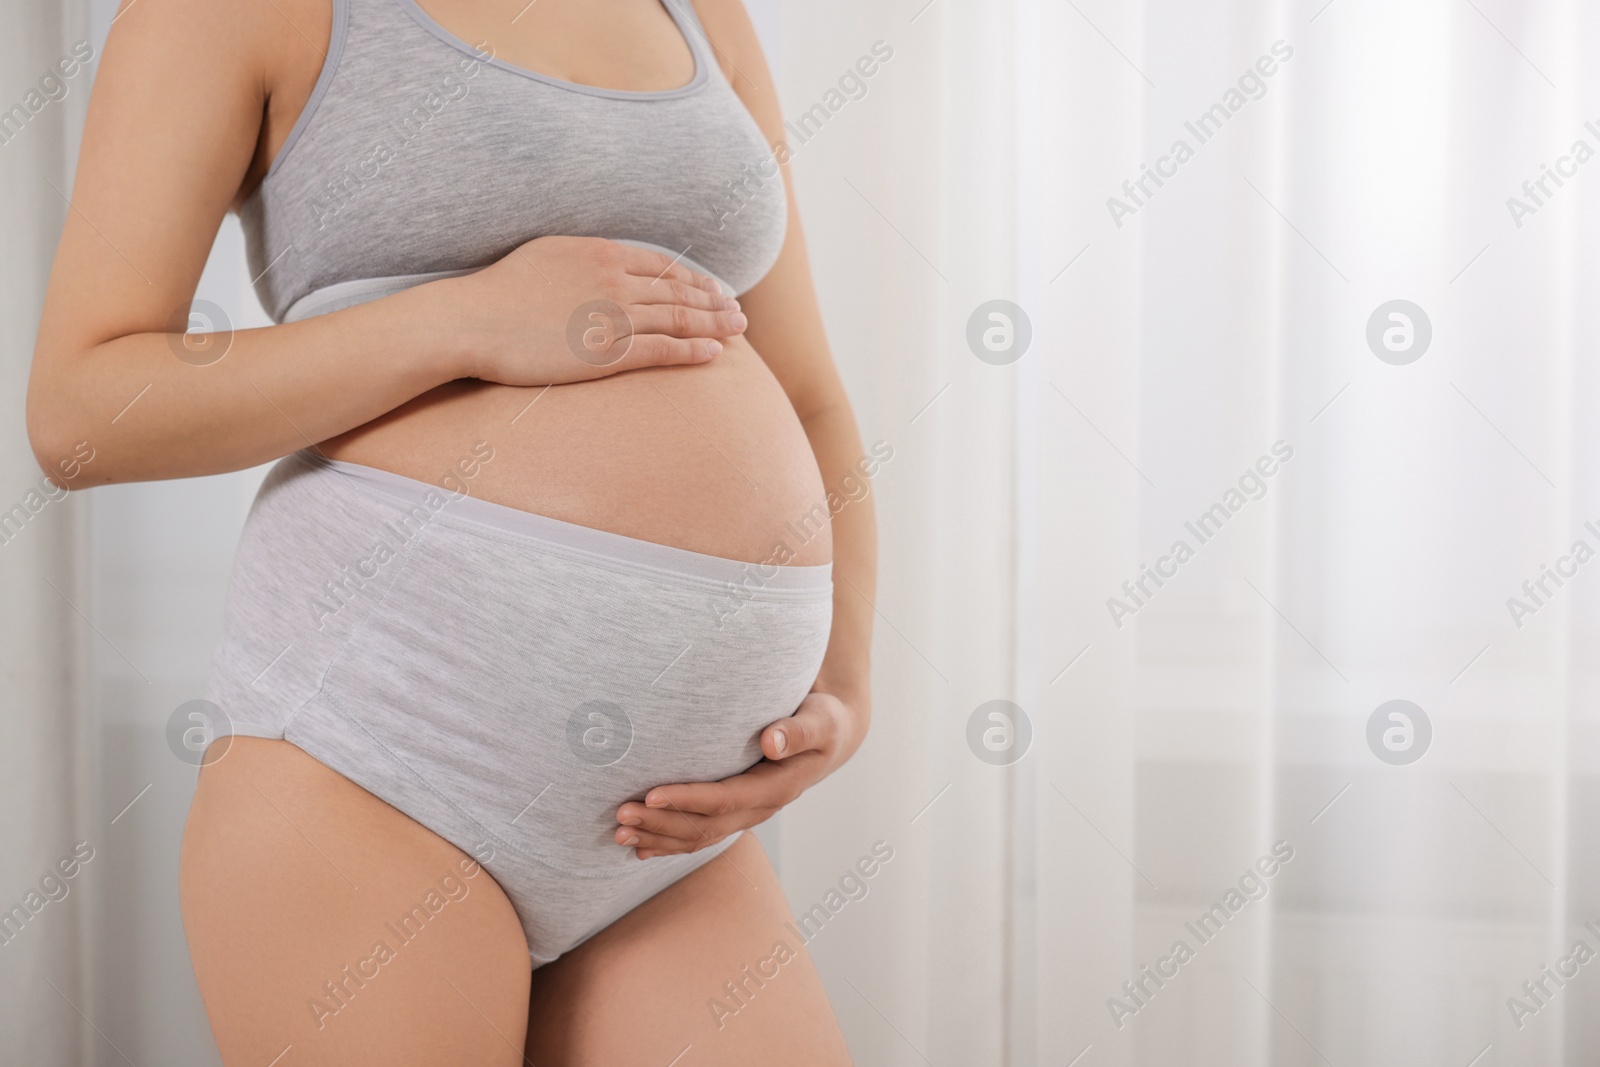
(1228, 312)
(47, 766)
(1186, 340)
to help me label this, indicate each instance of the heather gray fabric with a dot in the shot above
(504, 678)
(417, 155)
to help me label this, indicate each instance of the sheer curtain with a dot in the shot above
(1198, 744)
(47, 794)
(1216, 339)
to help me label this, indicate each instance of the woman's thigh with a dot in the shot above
(324, 922)
(708, 965)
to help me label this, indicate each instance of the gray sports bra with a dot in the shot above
(419, 156)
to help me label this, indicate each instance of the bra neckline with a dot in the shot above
(696, 82)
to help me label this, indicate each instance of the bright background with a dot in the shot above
(1167, 755)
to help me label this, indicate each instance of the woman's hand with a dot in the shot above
(570, 309)
(800, 751)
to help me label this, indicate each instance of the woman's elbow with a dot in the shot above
(59, 446)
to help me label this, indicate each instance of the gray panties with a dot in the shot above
(507, 679)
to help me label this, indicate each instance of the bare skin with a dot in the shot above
(275, 840)
(642, 989)
(290, 874)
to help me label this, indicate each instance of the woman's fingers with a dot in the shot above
(687, 826)
(673, 291)
(763, 788)
(685, 817)
(814, 727)
(657, 335)
(672, 316)
(690, 840)
(700, 798)
(799, 733)
(655, 350)
(644, 263)
(672, 829)
(677, 320)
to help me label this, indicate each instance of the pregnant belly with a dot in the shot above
(708, 458)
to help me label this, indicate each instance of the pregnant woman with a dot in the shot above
(563, 578)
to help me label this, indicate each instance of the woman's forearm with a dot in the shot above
(149, 409)
(846, 666)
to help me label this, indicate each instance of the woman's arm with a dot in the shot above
(173, 133)
(786, 329)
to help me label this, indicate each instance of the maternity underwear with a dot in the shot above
(508, 679)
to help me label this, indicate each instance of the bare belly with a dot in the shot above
(709, 458)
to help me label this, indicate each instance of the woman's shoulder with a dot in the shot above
(255, 37)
